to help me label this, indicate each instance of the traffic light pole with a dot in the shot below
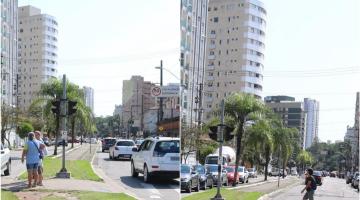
(220, 158)
(63, 103)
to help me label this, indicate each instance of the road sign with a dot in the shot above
(165, 91)
(64, 134)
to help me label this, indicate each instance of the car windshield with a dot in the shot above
(125, 143)
(213, 168)
(185, 169)
(200, 169)
(168, 146)
(240, 169)
(230, 169)
(139, 142)
(317, 173)
(250, 170)
(110, 141)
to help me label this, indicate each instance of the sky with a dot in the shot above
(312, 50)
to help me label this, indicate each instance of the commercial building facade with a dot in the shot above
(37, 52)
(291, 112)
(235, 50)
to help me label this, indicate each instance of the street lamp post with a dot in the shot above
(160, 118)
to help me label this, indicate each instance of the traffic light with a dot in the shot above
(71, 107)
(213, 132)
(56, 107)
(228, 135)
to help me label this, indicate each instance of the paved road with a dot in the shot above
(119, 171)
(332, 189)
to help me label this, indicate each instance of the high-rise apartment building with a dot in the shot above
(355, 152)
(37, 52)
(89, 97)
(311, 107)
(235, 50)
(291, 112)
(193, 21)
(136, 99)
(9, 29)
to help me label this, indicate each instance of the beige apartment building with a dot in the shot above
(235, 50)
(136, 100)
(37, 52)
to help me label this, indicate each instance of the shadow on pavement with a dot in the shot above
(15, 187)
(159, 183)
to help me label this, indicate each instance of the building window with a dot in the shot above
(216, 19)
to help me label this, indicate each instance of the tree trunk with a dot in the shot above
(56, 133)
(72, 131)
(267, 160)
(238, 148)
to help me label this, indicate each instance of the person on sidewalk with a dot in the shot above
(43, 152)
(31, 152)
(310, 186)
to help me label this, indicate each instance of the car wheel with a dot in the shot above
(133, 171)
(147, 176)
(114, 156)
(189, 187)
(247, 180)
(212, 184)
(102, 150)
(7, 171)
(197, 186)
(110, 156)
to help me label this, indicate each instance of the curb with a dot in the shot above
(255, 184)
(70, 150)
(266, 196)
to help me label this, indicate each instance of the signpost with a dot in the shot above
(165, 91)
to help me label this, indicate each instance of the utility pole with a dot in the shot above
(220, 158)
(161, 84)
(63, 113)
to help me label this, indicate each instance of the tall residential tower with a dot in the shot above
(311, 107)
(235, 50)
(37, 51)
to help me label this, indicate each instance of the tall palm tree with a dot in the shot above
(238, 106)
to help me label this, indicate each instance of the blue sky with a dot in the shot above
(312, 50)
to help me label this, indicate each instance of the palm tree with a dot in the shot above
(304, 158)
(238, 106)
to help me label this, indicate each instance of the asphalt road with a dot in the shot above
(332, 189)
(119, 171)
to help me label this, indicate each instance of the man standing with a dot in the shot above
(310, 185)
(43, 152)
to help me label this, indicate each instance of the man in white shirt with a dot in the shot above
(43, 152)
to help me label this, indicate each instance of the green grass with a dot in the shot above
(225, 193)
(8, 195)
(86, 195)
(79, 169)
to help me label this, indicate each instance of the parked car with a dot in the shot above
(5, 160)
(333, 174)
(46, 141)
(213, 169)
(231, 174)
(138, 142)
(318, 177)
(156, 156)
(356, 183)
(277, 172)
(189, 178)
(349, 178)
(60, 142)
(122, 149)
(353, 181)
(106, 143)
(252, 173)
(205, 177)
(243, 174)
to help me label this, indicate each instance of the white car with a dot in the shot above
(158, 156)
(5, 160)
(122, 149)
(243, 174)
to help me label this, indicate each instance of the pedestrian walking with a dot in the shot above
(310, 185)
(43, 152)
(31, 152)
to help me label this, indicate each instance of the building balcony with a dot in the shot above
(253, 58)
(210, 78)
(210, 67)
(258, 48)
(255, 25)
(248, 68)
(254, 36)
(255, 12)
(212, 36)
(211, 57)
(212, 46)
(251, 79)
(250, 90)
(208, 99)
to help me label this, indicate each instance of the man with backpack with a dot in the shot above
(310, 185)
